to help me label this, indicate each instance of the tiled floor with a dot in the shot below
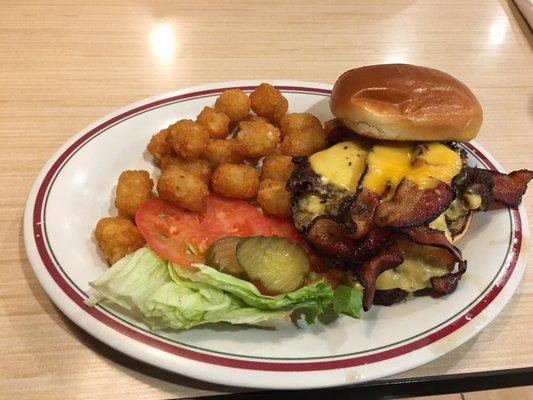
(519, 393)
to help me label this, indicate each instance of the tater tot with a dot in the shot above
(133, 188)
(268, 102)
(200, 168)
(216, 122)
(234, 103)
(183, 189)
(302, 143)
(298, 122)
(256, 118)
(303, 134)
(159, 146)
(273, 198)
(117, 237)
(235, 180)
(278, 167)
(258, 138)
(188, 138)
(224, 151)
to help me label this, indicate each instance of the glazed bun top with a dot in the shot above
(406, 102)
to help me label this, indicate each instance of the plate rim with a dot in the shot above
(152, 355)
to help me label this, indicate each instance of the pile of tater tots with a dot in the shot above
(228, 150)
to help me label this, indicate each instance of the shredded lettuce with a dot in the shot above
(164, 295)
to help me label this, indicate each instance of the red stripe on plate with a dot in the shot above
(240, 363)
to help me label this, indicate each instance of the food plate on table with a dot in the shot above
(75, 190)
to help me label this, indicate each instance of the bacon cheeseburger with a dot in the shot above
(390, 197)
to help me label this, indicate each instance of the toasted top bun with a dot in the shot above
(406, 102)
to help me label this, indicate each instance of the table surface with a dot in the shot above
(64, 65)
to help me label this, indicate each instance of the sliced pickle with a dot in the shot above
(221, 255)
(276, 263)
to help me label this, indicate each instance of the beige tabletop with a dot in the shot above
(62, 66)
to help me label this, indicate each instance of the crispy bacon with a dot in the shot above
(361, 212)
(494, 186)
(371, 243)
(328, 237)
(389, 296)
(388, 257)
(412, 206)
(448, 283)
(431, 237)
(509, 189)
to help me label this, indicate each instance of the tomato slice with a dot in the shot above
(171, 230)
(232, 217)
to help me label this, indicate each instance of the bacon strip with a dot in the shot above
(448, 283)
(494, 186)
(362, 212)
(389, 296)
(509, 189)
(376, 239)
(329, 237)
(367, 273)
(412, 206)
(431, 237)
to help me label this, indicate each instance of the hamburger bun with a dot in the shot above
(406, 102)
(459, 235)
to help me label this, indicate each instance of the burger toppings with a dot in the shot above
(448, 283)
(389, 257)
(509, 189)
(425, 165)
(431, 237)
(412, 206)
(328, 237)
(342, 164)
(362, 212)
(476, 186)
(350, 199)
(480, 187)
(314, 196)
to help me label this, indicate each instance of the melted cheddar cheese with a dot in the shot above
(344, 163)
(411, 275)
(341, 164)
(421, 263)
(389, 164)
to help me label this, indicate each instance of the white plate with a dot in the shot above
(75, 189)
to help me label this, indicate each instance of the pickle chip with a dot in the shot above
(221, 255)
(276, 263)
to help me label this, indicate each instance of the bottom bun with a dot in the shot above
(459, 235)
